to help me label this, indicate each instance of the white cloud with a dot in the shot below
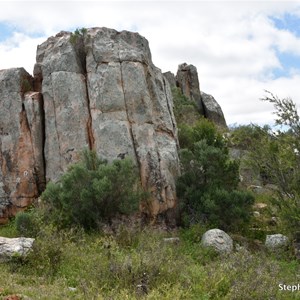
(233, 44)
(19, 51)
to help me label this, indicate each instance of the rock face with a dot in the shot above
(21, 142)
(14, 246)
(218, 240)
(171, 78)
(188, 82)
(212, 110)
(100, 90)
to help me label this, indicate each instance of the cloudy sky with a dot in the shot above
(240, 48)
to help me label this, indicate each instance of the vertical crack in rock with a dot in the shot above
(34, 110)
(56, 127)
(89, 124)
(43, 128)
(81, 57)
(25, 181)
(134, 143)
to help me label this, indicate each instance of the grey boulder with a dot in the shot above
(276, 242)
(217, 239)
(10, 247)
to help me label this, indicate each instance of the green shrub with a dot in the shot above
(203, 129)
(77, 34)
(207, 186)
(48, 248)
(9, 229)
(185, 110)
(93, 191)
(28, 222)
(227, 210)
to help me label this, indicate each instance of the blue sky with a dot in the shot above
(289, 22)
(290, 62)
(5, 31)
(240, 48)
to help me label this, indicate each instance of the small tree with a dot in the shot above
(283, 160)
(207, 186)
(93, 191)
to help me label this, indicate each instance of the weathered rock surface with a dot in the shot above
(212, 110)
(97, 90)
(21, 142)
(188, 82)
(171, 79)
(10, 247)
(218, 240)
(276, 242)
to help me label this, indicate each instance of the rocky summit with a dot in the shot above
(96, 88)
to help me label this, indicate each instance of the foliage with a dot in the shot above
(26, 85)
(201, 130)
(286, 112)
(75, 265)
(29, 222)
(185, 110)
(9, 230)
(78, 33)
(246, 137)
(275, 156)
(209, 179)
(93, 191)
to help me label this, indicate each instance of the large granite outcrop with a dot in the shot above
(95, 89)
(21, 142)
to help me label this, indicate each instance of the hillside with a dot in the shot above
(120, 182)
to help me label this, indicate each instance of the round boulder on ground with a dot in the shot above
(218, 240)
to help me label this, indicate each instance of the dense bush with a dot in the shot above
(207, 186)
(274, 154)
(28, 222)
(93, 191)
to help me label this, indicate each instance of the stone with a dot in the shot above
(219, 240)
(260, 205)
(10, 247)
(172, 240)
(104, 93)
(188, 82)
(170, 78)
(212, 110)
(256, 214)
(21, 142)
(98, 90)
(276, 242)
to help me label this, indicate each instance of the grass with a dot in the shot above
(137, 263)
